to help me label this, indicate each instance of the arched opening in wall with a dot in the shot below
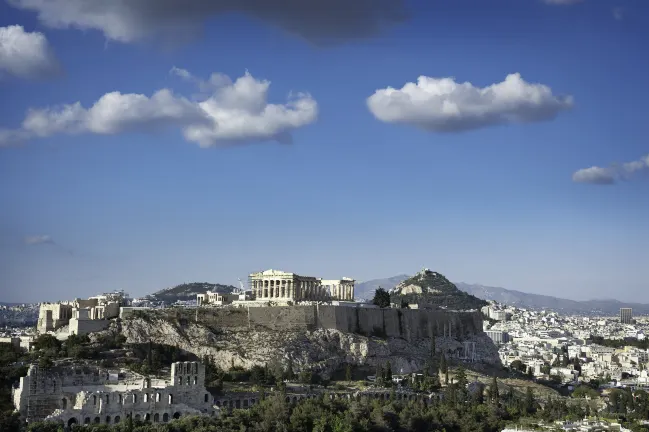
(207, 396)
(107, 399)
(171, 399)
(72, 422)
(121, 400)
(237, 403)
(195, 380)
(134, 398)
(86, 420)
(137, 417)
(245, 403)
(146, 397)
(117, 419)
(165, 418)
(107, 419)
(288, 399)
(218, 403)
(156, 418)
(64, 403)
(97, 420)
(94, 399)
(189, 381)
(176, 415)
(157, 397)
(147, 417)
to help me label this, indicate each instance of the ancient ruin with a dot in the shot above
(82, 395)
(285, 286)
(80, 315)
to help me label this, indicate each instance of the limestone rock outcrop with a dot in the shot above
(321, 349)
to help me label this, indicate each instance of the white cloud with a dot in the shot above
(444, 105)
(38, 239)
(594, 175)
(234, 112)
(320, 21)
(26, 55)
(614, 173)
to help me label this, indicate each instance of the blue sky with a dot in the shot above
(113, 201)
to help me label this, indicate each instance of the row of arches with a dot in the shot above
(157, 418)
(121, 400)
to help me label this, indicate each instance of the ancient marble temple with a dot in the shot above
(276, 285)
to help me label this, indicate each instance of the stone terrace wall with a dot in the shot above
(409, 324)
(283, 317)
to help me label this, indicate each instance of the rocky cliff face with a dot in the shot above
(321, 350)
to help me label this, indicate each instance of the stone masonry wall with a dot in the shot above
(409, 324)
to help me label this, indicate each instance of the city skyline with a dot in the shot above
(501, 144)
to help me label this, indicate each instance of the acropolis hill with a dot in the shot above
(312, 325)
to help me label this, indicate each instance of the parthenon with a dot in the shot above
(283, 286)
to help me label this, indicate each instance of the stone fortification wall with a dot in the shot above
(409, 324)
(284, 317)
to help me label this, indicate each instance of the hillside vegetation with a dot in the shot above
(432, 288)
(187, 291)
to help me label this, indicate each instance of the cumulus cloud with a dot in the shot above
(319, 21)
(610, 175)
(26, 55)
(234, 112)
(38, 239)
(444, 105)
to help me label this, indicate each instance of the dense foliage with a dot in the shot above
(620, 343)
(381, 298)
(460, 409)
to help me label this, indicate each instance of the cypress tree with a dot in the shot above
(388, 373)
(495, 395)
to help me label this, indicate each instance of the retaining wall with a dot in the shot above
(410, 324)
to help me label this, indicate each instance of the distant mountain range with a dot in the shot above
(516, 298)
